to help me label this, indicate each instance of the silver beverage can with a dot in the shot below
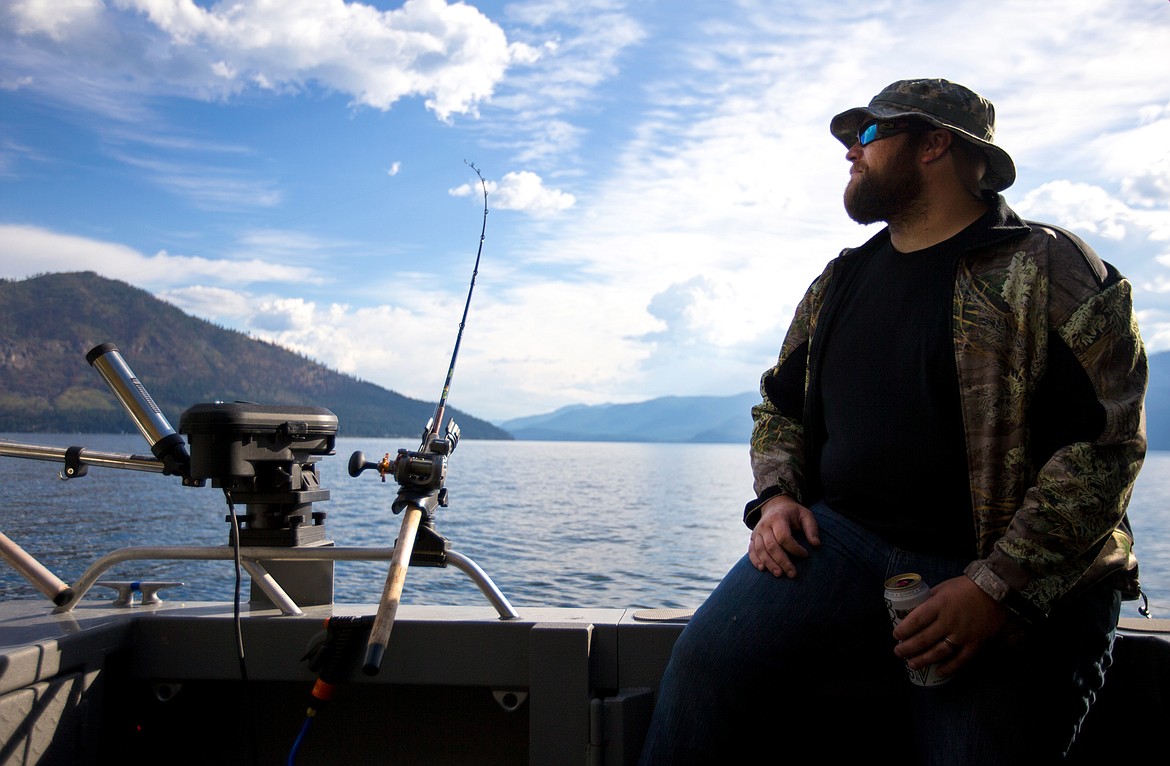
(903, 593)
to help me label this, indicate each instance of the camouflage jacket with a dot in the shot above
(1046, 522)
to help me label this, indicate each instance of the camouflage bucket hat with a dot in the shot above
(943, 104)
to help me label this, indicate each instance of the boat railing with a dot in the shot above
(263, 457)
(76, 460)
(252, 560)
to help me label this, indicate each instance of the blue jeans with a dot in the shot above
(805, 667)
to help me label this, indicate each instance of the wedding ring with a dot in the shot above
(947, 641)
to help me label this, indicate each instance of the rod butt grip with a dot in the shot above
(373, 661)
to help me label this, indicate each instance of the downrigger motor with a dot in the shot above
(264, 456)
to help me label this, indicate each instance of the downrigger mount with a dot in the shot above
(264, 456)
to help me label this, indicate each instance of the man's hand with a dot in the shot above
(950, 627)
(774, 540)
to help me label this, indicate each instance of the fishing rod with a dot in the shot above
(436, 421)
(421, 477)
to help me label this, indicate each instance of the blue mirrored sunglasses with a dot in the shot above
(876, 130)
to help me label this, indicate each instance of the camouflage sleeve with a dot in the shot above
(1070, 528)
(777, 442)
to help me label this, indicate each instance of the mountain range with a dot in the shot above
(48, 323)
(711, 419)
(727, 419)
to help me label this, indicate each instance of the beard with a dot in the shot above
(889, 194)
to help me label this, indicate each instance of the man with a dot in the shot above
(960, 397)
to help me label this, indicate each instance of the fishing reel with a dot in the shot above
(420, 473)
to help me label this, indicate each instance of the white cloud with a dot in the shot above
(1082, 206)
(1129, 236)
(227, 306)
(694, 313)
(59, 20)
(206, 186)
(285, 315)
(29, 250)
(579, 47)
(362, 341)
(1137, 154)
(449, 54)
(523, 191)
(1132, 238)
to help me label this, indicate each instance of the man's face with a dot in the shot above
(885, 182)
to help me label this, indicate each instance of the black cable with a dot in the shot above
(239, 628)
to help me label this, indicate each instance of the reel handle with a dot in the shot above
(358, 464)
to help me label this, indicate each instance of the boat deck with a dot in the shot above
(458, 685)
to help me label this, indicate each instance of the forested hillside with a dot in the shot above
(48, 324)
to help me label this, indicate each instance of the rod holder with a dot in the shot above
(167, 445)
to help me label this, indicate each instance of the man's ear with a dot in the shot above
(935, 145)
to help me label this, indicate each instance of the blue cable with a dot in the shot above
(292, 754)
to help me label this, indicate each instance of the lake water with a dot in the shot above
(552, 523)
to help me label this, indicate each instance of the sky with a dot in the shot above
(661, 182)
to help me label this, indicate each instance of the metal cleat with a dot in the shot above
(127, 588)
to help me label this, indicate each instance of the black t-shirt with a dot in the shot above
(895, 458)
